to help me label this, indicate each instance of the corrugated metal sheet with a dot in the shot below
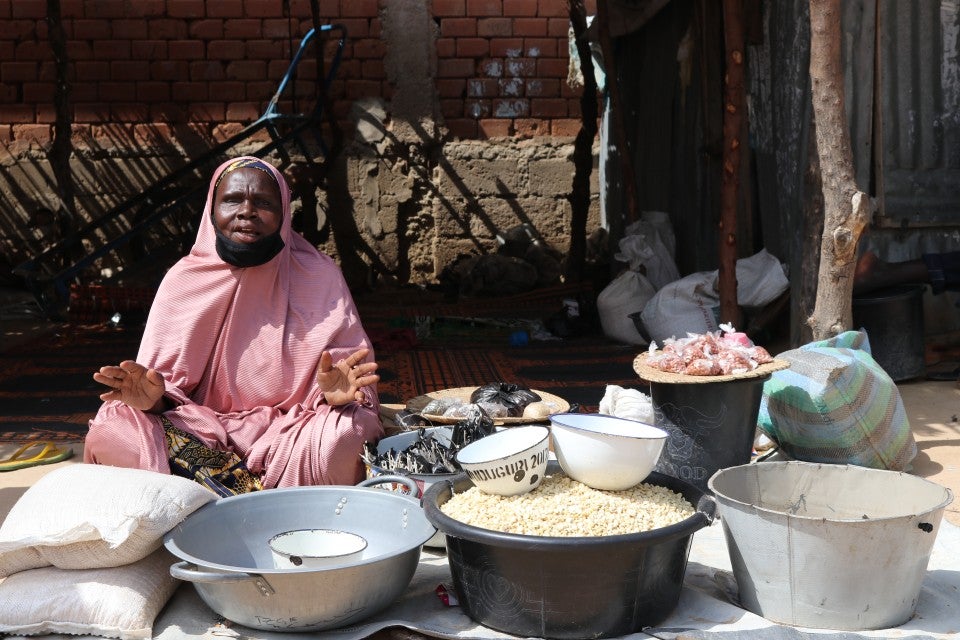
(920, 117)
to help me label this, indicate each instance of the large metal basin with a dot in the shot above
(224, 552)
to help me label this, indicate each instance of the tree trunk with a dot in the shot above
(733, 110)
(846, 209)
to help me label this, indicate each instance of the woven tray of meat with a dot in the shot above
(706, 357)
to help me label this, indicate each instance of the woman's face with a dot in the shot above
(247, 205)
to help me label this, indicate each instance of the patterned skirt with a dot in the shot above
(223, 472)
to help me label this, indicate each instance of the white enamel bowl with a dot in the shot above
(605, 452)
(510, 462)
(314, 548)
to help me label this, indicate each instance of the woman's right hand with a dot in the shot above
(133, 384)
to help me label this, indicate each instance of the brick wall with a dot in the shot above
(501, 65)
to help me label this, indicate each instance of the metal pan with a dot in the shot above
(224, 552)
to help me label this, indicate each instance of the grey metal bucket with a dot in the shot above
(828, 546)
(893, 320)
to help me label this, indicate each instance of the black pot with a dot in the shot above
(565, 587)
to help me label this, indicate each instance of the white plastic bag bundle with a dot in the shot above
(692, 304)
(630, 404)
(628, 293)
(649, 243)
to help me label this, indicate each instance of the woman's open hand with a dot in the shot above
(342, 382)
(133, 384)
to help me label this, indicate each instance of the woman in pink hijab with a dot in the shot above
(254, 369)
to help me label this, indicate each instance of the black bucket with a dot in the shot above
(556, 587)
(893, 320)
(712, 426)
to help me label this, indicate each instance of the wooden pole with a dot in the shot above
(734, 113)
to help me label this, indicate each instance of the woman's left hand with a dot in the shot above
(342, 382)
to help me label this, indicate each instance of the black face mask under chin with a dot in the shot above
(248, 254)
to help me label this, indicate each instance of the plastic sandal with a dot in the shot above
(49, 454)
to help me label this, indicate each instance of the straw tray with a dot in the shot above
(463, 393)
(652, 374)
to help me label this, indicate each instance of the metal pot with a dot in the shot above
(224, 551)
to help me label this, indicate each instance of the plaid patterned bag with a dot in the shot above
(835, 404)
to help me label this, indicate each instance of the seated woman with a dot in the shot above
(254, 369)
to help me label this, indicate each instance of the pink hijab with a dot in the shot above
(235, 339)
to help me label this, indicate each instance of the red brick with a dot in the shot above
(39, 133)
(362, 88)
(359, 8)
(169, 70)
(167, 112)
(458, 27)
(368, 48)
(8, 93)
(484, 8)
(149, 92)
(472, 47)
(541, 47)
(446, 47)
(262, 91)
(451, 87)
(506, 47)
(111, 50)
(373, 69)
(573, 108)
(206, 29)
(125, 71)
(558, 28)
(226, 131)
(92, 71)
(520, 67)
(206, 70)
(530, 27)
(19, 71)
(552, 68)
(477, 108)
(511, 87)
(79, 51)
(29, 9)
(531, 127)
(225, 50)
(490, 68)
(263, 8)
(495, 27)
(482, 88)
(129, 29)
(17, 113)
(5, 9)
(243, 111)
(166, 29)
(450, 108)
(208, 111)
(267, 50)
(495, 128)
(242, 29)
(17, 29)
(33, 50)
(6, 133)
(523, 8)
(143, 8)
(462, 128)
(510, 108)
(548, 108)
(590, 6)
(247, 70)
(230, 91)
(543, 88)
(276, 69)
(91, 112)
(117, 91)
(552, 9)
(456, 68)
(278, 29)
(565, 127)
(149, 50)
(185, 9)
(224, 8)
(449, 8)
(83, 92)
(186, 50)
(91, 29)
